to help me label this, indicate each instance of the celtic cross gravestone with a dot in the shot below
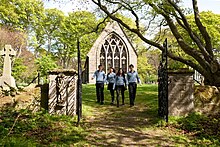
(7, 80)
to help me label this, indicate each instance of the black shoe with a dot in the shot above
(102, 103)
(131, 105)
(112, 103)
(117, 105)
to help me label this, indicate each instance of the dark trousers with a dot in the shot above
(120, 89)
(112, 92)
(112, 95)
(132, 92)
(100, 92)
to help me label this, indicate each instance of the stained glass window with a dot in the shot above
(117, 59)
(113, 53)
(124, 59)
(109, 58)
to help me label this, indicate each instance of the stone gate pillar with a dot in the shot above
(181, 92)
(62, 92)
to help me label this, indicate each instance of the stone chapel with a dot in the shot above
(111, 49)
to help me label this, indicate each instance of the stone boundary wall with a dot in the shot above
(181, 92)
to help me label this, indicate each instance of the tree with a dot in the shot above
(56, 35)
(154, 58)
(208, 19)
(46, 30)
(45, 63)
(148, 62)
(17, 39)
(20, 14)
(80, 24)
(18, 69)
(144, 68)
(28, 60)
(22, 65)
(169, 13)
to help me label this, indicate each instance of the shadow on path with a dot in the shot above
(125, 126)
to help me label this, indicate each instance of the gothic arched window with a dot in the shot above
(109, 58)
(117, 59)
(114, 53)
(124, 59)
(102, 57)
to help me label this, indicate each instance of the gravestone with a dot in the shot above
(62, 92)
(7, 81)
(181, 92)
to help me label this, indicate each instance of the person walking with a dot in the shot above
(120, 85)
(133, 78)
(100, 80)
(110, 81)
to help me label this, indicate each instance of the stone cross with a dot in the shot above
(7, 53)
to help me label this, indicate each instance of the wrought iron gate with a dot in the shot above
(163, 84)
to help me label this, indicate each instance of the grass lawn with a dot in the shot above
(102, 125)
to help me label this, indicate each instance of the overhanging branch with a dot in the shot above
(187, 27)
(186, 48)
(202, 29)
(136, 31)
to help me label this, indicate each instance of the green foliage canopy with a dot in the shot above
(45, 64)
(20, 14)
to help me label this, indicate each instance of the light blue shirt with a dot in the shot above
(119, 81)
(111, 77)
(100, 76)
(133, 77)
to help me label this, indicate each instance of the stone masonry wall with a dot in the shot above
(180, 93)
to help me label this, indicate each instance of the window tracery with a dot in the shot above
(114, 53)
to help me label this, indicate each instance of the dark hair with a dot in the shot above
(100, 65)
(118, 73)
(112, 69)
(131, 66)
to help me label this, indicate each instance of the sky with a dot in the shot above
(205, 5)
(67, 6)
